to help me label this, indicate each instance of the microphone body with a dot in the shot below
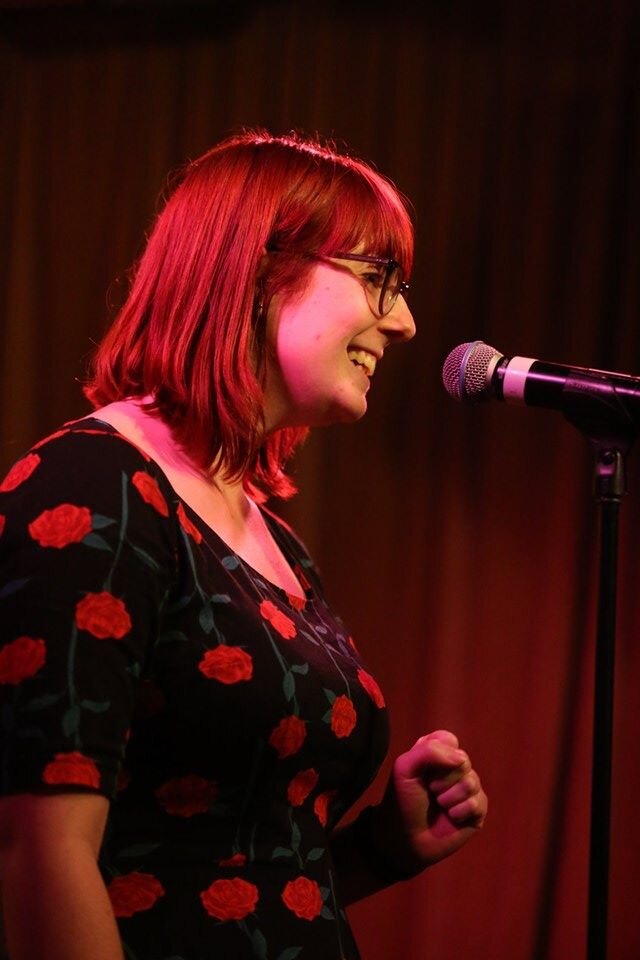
(475, 371)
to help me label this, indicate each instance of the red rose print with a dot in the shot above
(237, 860)
(301, 786)
(230, 899)
(21, 658)
(300, 577)
(278, 620)
(2, 523)
(298, 603)
(321, 805)
(303, 897)
(147, 487)
(103, 615)
(20, 472)
(133, 893)
(226, 664)
(288, 736)
(72, 768)
(61, 526)
(371, 687)
(343, 716)
(186, 796)
(187, 526)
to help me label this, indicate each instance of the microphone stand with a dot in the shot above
(611, 429)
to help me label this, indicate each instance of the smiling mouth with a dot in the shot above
(361, 358)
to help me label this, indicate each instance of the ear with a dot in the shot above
(263, 264)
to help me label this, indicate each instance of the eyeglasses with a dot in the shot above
(382, 289)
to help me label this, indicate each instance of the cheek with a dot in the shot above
(300, 341)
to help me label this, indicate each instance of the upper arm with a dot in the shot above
(86, 562)
(37, 820)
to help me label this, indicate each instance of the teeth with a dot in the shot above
(364, 359)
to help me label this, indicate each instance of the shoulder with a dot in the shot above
(78, 445)
(85, 467)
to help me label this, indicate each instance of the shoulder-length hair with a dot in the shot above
(191, 333)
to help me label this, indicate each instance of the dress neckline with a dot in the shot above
(274, 526)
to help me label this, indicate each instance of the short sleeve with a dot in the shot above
(87, 563)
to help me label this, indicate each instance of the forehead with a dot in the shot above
(375, 232)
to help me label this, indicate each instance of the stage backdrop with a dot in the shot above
(458, 543)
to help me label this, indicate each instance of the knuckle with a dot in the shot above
(473, 782)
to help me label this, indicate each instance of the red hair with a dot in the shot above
(192, 330)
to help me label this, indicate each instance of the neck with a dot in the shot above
(154, 436)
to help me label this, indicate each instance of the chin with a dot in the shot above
(345, 414)
(337, 410)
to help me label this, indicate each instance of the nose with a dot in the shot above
(398, 324)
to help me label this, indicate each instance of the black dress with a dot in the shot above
(230, 724)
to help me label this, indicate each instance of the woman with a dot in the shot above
(185, 718)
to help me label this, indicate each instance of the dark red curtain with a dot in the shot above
(459, 544)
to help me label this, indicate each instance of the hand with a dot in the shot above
(434, 803)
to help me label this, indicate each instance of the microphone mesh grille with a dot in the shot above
(464, 373)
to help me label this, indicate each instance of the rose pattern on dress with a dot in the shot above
(74, 767)
(288, 736)
(301, 786)
(230, 899)
(227, 665)
(302, 896)
(187, 525)
(343, 716)
(278, 619)
(372, 688)
(134, 892)
(321, 806)
(298, 603)
(61, 526)
(187, 796)
(20, 472)
(21, 658)
(237, 860)
(103, 615)
(147, 487)
(2, 523)
(301, 577)
(137, 544)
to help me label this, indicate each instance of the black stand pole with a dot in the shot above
(604, 419)
(609, 489)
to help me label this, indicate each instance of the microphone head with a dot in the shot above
(468, 369)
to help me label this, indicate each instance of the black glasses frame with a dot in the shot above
(390, 266)
(388, 263)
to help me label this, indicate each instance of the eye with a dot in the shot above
(375, 278)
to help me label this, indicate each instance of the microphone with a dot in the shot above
(476, 371)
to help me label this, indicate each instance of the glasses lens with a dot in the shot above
(391, 288)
